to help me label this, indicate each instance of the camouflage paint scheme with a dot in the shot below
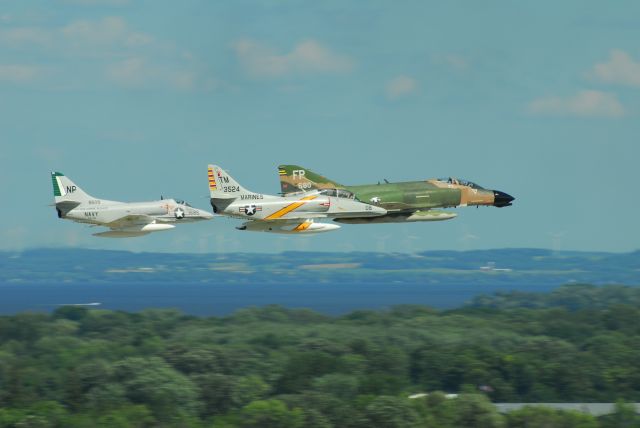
(405, 201)
(124, 219)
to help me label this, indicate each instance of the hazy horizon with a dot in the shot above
(329, 250)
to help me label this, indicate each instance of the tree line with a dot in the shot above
(277, 367)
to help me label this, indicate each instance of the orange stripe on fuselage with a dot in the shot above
(283, 211)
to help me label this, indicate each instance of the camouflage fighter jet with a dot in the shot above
(405, 202)
(122, 218)
(277, 214)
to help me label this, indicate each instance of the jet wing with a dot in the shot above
(396, 206)
(129, 221)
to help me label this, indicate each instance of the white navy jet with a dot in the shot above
(295, 214)
(124, 219)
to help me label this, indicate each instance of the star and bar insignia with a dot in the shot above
(250, 209)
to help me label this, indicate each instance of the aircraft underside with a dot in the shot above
(402, 217)
(133, 231)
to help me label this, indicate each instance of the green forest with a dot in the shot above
(277, 367)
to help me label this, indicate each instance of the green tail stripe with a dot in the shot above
(56, 188)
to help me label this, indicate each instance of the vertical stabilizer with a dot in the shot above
(223, 186)
(294, 178)
(65, 190)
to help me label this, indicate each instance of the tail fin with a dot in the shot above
(223, 186)
(65, 190)
(294, 178)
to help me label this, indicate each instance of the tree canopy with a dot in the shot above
(277, 367)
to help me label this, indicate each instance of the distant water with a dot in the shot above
(223, 299)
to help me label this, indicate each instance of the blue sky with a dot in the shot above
(133, 98)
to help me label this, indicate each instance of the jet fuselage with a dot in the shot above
(404, 201)
(101, 212)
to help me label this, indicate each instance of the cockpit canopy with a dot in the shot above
(453, 180)
(338, 193)
(181, 202)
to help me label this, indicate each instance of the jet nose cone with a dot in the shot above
(502, 199)
(206, 215)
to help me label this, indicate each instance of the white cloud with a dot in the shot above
(306, 57)
(453, 61)
(21, 36)
(585, 103)
(620, 69)
(401, 86)
(122, 55)
(129, 72)
(456, 61)
(109, 31)
(139, 72)
(83, 36)
(18, 73)
(185, 80)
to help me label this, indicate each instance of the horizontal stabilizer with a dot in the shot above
(64, 207)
